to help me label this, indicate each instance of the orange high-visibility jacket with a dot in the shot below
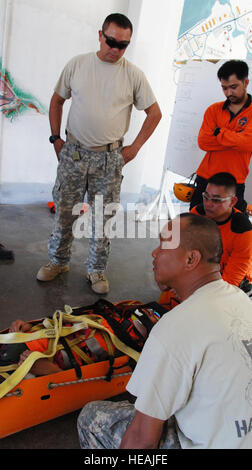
(229, 151)
(236, 235)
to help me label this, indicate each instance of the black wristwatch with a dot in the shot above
(53, 138)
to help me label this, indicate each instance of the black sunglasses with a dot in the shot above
(111, 42)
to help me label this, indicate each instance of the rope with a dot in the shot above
(17, 393)
(52, 385)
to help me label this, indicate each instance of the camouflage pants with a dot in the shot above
(101, 425)
(80, 171)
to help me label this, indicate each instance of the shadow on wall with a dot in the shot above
(39, 193)
(25, 193)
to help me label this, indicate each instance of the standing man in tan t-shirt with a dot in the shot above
(103, 86)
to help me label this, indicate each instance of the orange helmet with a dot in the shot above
(184, 191)
(249, 209)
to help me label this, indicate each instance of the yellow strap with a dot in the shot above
(23, 370)
(92, 321)
(4, 375)
(108, 343)
(8, 368)
(49, 333)
(116, 341)
(83, 355)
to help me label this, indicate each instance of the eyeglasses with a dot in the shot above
(215, 200)
(114, 44)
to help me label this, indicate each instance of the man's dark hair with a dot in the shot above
(233, 67)
(120, 20)
(224, 179)
(202, 234)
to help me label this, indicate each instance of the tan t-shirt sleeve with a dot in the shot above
(63, 87)
(143, 94)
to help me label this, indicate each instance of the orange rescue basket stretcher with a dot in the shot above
(39, 399)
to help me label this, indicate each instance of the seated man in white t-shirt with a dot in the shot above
(193, 381)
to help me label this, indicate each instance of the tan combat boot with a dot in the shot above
(50, 271)
(99, 282)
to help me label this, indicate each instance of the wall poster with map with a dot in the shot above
(211, 32)
(215, 29)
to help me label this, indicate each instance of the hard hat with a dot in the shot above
(184, 191)
(249, 209)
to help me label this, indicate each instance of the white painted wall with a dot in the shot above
(41, 36)
(158, 25)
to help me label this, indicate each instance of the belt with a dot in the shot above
(103, 148)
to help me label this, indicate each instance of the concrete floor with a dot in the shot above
(25, 230)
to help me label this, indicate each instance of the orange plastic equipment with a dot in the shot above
(168, 300)
(249, 209)
(38, 399)
(184, 191)
(52, 207)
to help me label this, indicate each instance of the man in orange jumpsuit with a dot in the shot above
(219, 200)
(226, 133)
